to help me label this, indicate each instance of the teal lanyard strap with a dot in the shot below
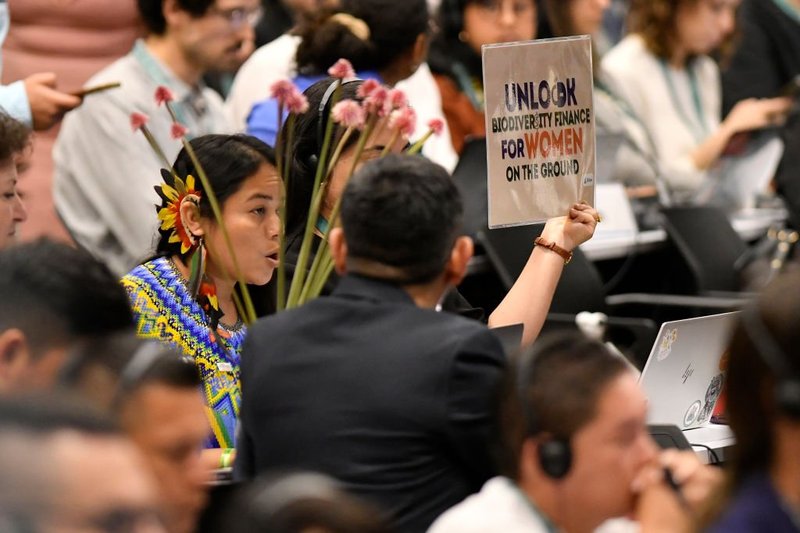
(699, 128)
(156, 74)
(549, 525)
(789, 9)
(465, 83)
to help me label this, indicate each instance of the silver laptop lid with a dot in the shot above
(683, 376)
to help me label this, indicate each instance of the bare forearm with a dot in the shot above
(705, 155)
(528, 300)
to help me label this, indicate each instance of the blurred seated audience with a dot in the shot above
(634, 164)
(574, 448)
(14, 143)
(399, 412)
(765, 62)
(663, 71)
(301, 502)
(70, 41)
(105, 173)
(762, 492)
(66, 468)
(33, 100)
(455, 55)
(155, 393)
(53, 296)
(184, 296)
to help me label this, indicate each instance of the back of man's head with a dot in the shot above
(553, 390)
(56, 294)
(402, 212)
(52, 296)
(152, 12)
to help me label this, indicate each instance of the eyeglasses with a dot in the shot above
(238, 17)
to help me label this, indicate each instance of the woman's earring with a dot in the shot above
(463, 36)
(197, 266)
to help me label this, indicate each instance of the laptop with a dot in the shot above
(510, 337)
(684, 375)
(741, 178)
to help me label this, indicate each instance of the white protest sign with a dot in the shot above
(540, 138)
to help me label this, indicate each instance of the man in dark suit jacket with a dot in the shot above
(372, 385)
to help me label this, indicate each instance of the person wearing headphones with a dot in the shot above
(574, 450)
(762, 492)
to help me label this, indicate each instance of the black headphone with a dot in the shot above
(555, 454)
(787, 382)
(322, 116)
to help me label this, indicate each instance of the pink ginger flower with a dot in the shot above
(342, 69)
(367, 88)
(296, 102)
(281, 89)
(436, 125)
(349, 114)
(138, 120)
(396, 100)
(178, 130)
(375, 103)
(404, 120)
(164, 95)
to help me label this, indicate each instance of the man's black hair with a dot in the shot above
(57, 294)
(152, 12)
(405, 212)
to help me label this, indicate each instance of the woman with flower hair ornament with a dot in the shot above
(528, 300)
(186, 294)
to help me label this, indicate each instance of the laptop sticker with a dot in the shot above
(669, 338)
(691, 414)
(714, 388)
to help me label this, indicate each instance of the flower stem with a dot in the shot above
(302, 260)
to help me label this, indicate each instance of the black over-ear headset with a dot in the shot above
(555, 454)
(787, 382)
(323, 113)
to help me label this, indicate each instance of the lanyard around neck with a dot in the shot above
(534, 509)
(789, 9)
(157, 75)
(698, 127)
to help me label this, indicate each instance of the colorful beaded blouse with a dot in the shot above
(165, 310)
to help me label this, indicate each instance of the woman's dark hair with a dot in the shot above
(554, 19)
(751, 382)
(228, 160)
(14, 137)
(656, 22)
(447, 48)
(553, 387)
(152, 12)
(393, 29)
(306, 148)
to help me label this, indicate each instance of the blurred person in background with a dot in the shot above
(664, 72)
(14, 143)
(55, 47)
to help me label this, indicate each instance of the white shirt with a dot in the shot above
(276, 60)
(105, 173)
(662, 98)
(499, 506)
